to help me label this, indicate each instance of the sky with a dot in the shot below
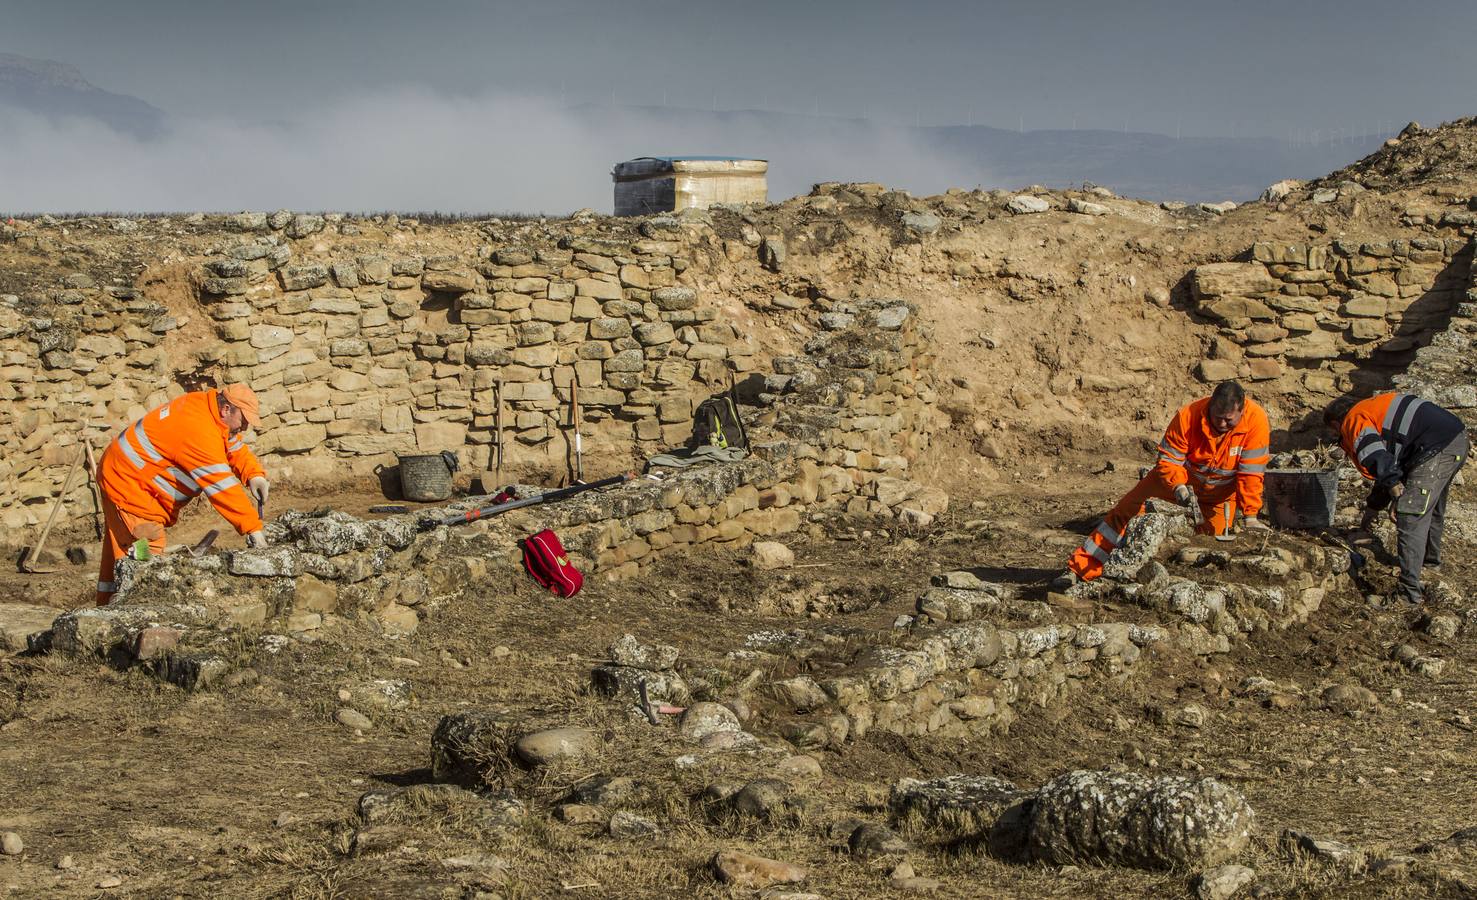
(1251, 67)
(278, 81)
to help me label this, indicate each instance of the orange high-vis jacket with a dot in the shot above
(161, 462)
(1193, 454)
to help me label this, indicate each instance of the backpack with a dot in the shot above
(716, 424)
(545, 559)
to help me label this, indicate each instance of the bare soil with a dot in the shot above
(250, 790)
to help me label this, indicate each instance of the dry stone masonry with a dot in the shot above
(1328, 319)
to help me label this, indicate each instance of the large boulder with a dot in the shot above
(1129, 819)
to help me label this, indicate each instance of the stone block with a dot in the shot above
(1231, 280)
(556, 311)
(607, 329)
(433, 437)
(449, 281)
(599, 290)
(1265, 369)
(291, 438)
(1364, 306)
(626, 361)
(672, 299)
(1212, 371)
(266, 336)
(1231, 308)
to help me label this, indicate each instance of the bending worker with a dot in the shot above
(191, 445)
(1411, 449)
(1211, 461)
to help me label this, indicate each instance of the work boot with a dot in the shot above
(1064, 582)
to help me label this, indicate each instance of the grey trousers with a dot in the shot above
(1420, 513)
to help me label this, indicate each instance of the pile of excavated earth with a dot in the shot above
(828, 667)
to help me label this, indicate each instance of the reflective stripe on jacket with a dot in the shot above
(1212, 464)
(174, 453)
(1389, 434)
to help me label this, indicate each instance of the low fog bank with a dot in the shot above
(414, 150)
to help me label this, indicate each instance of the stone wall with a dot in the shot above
(838, 431)
(1320, 320)
(1445, 370)
(380, 353)
(361, 346)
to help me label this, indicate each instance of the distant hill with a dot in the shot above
(57, 90)
(806, 149)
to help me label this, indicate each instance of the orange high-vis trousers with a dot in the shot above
(119, 529)
(1219, 509)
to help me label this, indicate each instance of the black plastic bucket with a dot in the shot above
(427, 478)
(1302, 499)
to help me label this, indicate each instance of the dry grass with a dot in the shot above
(114, 750)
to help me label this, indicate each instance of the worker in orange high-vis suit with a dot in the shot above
(1212, 461)
(189, 446)
(1410, 451)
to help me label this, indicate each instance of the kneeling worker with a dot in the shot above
(1211, 461)
(1411, 449)
(190, 445)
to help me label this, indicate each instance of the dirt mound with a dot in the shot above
(1419, 156)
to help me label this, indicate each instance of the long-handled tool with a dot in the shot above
(485, 512)
(30, 562)
(97, 500)
(497, 387)
(574, 422)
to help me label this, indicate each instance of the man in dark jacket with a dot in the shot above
(1410, 449)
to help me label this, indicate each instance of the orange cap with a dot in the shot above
(244, 399)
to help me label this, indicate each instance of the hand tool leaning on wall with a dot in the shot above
(574, 425)
(30, 562)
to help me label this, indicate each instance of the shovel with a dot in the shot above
(30, 562)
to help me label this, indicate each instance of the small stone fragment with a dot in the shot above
(1223, 882)
(579, 814)
(799, 767)
(1321, 848)
(871, 840)
(625, 824)
(746, 870)
(770, 555)
(545, 747)
(353, 718)
(11, 844)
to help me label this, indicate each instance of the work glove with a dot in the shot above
(1186, 498)
(258, 488)
(256, 540)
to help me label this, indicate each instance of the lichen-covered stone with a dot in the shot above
(703, 719)
(628, 651)
(625, 682)
(1136, 820)
(956, 808)
(1141, 541)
